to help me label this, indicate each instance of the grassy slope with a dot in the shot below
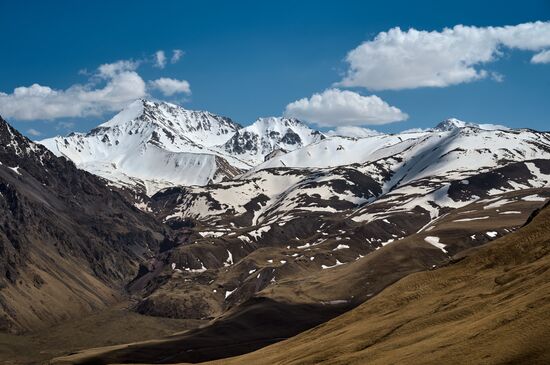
(491, 307)
(108, 327)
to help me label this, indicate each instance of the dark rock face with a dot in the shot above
(268, 135)
(64, 231)
(242, 142)
(291, 137)
(499, 178)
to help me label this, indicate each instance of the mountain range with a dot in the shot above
(256, 234)
(152, 145)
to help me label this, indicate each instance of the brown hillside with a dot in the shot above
(491, 307)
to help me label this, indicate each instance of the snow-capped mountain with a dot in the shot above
(257, 141)
(453, 123)
(478, 142)
(152, 145)
(329, 224)
(318, 221)
(361, 177)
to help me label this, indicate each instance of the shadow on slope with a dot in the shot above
(255, 324)
(491, 306)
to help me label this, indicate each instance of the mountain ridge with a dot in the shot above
(147, 145)
(277, 241)
(68, 243)
(144, 145)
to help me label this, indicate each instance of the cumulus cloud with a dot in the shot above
(352, 131)
(541, 57)
(169, 87)
(334, 107)
(176, 55)
(399, 59)
(109, 70)
(111, 88)
(160, 59)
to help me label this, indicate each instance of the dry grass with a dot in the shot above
(109, 327)
(491, 307)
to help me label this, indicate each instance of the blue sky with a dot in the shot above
(246, 59)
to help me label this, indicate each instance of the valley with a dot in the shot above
(166, 235)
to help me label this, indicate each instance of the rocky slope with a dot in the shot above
(268, 137)
(329, 238)
(68, 243)
(489, 306)
(313, 232)
(297, 292)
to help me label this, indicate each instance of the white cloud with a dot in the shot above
(160, 59)
(496, 76)
(541, 57)
(352, 131)
(334, 107)
(111, 88)
(169, 87)
(109, 70)
(33, 132)
(409, 59)
(176, 55)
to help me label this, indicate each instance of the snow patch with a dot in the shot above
(533, 198)
(229, 260)
(338, 263)
(471, 219)
(229, 292)
(434, 241)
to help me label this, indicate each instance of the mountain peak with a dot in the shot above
(132, 111)
(256, 141)
(453, 123)
(279, 124)
(10, 137)
(167, 115)
(153, 144)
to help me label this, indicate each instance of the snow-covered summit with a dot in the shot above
(453, 123)
(153, 145)
(172, 121)
(478, 146)
(256, 141)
